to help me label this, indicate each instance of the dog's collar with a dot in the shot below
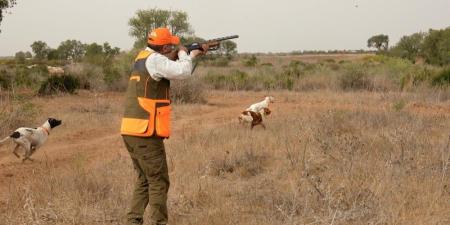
(46, 130)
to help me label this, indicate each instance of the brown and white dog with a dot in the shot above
(255, 118)
(31, 138)
(257, 107)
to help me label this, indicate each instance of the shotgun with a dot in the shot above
(214, 43)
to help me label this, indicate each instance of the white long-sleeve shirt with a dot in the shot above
(159, 66)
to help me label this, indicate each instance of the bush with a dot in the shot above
(40, 69)
(267, 64)
(219, 62)
(251, 62)
(90, 76)
(294, 69)
(22, 77)
(187, 91)
(6, 79)
(442, 79)
(415, 76)
(235, 80)
(355, 78)
(329, 61)
(111, 75)
(59, 84)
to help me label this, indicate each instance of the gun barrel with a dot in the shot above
(224, 38)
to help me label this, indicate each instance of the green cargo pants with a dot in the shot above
(152, 183)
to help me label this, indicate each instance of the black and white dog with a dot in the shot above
(31, 138)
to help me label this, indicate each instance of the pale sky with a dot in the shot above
(263, 26)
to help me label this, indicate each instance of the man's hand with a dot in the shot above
(173, 55)
(182, 48)
(195, 53)
(214, 45)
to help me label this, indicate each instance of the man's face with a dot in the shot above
(167, 49)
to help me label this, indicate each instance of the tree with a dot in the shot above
(380, 42)
(5, 4)
(71, 50)
(100, 54)
(228, 48)
(28, 55)
(40, 49)
(20, 56)
(94, 53)
(147, 20)
(409, 47)
(53, 54)
(436, 47)
(109, 51)
(179, 23)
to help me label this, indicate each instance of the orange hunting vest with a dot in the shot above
(147, 104)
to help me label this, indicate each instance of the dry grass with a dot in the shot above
(325, 158)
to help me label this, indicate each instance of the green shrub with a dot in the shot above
(267, 64)
(40, 68)
(22, 77)
(288, 84)
(334, 67)
(110, 75)
(329, 61)
(415, 76)
(355, 78)
(294, 69)
(442, 79)
(6, 79)
(235, 80)
(220, 62)
(251, 62)
(59, 84)
(309, 68)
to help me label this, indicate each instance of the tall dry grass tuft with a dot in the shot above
(16, 110)
(188, 91)
(73, 195)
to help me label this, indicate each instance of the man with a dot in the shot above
(146, 120)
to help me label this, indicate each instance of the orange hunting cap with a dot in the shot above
(162, 36)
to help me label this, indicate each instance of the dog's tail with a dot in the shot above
(13, 135)
(4, 139)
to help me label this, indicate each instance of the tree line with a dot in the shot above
(433, 46)
(74, 50)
